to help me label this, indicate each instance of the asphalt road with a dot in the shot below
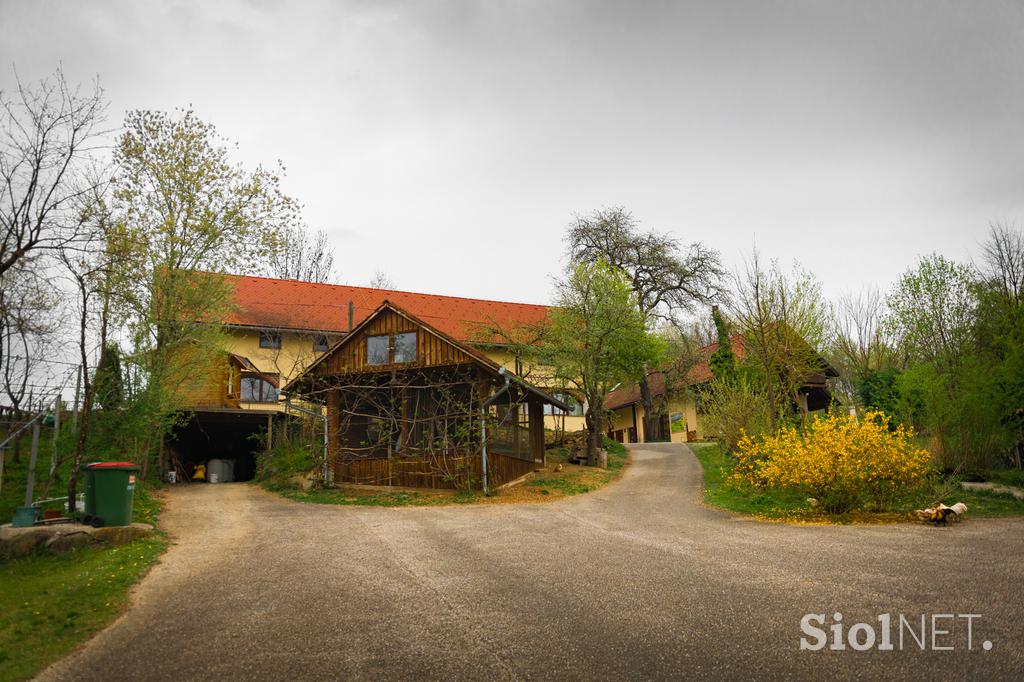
(636, 581)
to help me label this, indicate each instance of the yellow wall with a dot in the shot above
(543, 380)
(296, 353)
(622, 418)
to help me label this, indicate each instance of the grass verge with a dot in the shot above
(51, 603)
(548, 484)
(789, 505)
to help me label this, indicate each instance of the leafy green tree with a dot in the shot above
(596, 339)
(667, 280)
(998, 381)
(185, 216)
(878, 389)
(933, 314)
(734, 407)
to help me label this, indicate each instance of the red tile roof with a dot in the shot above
(291, 304)
(698, 374)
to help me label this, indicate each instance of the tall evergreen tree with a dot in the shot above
(723, 360)
(109, 383)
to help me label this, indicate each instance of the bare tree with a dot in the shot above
(303, 255)
(784, 321)
(1004, 261)
(47, 132)
(667, 280)
(381, 280)
(861, 342)
(26, 330)
(86, 263)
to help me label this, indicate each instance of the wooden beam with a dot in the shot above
(536, 413)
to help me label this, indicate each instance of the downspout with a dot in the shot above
(326, 468)
(483, 423)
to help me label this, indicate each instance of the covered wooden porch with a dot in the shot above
(408, 406)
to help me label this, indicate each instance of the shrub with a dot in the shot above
(733, 408)
(295, 451)
(843, 462)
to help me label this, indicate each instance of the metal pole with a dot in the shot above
(483, 424)
(57, 405)
(325, 450)
(31, 484)
(56, 433)
(483, 445)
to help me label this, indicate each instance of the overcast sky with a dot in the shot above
(449, 144)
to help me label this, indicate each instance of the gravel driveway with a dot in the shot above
(635, 581)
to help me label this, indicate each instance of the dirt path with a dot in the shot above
(637, 580)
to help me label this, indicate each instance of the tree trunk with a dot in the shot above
(593, 445)
(83, 433)
(772, 410)
(83, 424)
(595, 424)
(588, 420)
(652, 424)
(16, 450)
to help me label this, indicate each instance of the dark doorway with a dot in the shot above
(220, 435)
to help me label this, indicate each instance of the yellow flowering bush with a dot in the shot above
(843, 462)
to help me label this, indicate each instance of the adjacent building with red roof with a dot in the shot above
(682, 407)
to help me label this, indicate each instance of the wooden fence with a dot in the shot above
(445, 472)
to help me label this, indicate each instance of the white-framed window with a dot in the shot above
(320, 343)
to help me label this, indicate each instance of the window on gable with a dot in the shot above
(386, 349)
(377, 350)
(320, 343)
(405, 347)
(269, 339)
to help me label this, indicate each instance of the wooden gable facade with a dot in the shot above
(409, 406)
(431, 348)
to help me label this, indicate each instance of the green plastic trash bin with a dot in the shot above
(109, 488)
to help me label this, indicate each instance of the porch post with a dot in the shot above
(536, 413)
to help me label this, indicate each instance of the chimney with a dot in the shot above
(351, 313)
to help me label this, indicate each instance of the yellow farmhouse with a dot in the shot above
(279, 328)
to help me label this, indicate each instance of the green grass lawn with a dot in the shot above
(1013, 477)
(584, 479)
(50, 603)
(792, 505)
(12, 494)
